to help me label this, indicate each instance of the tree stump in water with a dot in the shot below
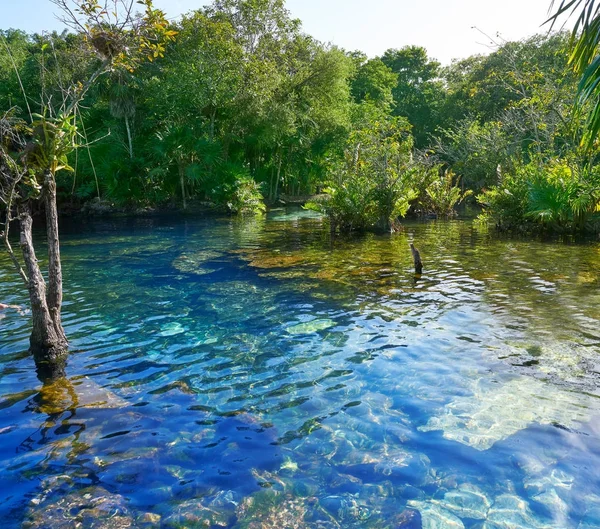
(417, 259)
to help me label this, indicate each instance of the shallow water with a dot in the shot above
(229, 373)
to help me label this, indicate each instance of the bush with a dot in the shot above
(555, 196)
(441, 193)
(245, 197)
(373, 186)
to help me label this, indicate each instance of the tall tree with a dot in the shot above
(31, 153)
(419, 92)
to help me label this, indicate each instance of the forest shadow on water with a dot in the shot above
(256, 373)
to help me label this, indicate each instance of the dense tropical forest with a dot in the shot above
(238, 107)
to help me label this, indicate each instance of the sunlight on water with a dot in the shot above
(254, 373)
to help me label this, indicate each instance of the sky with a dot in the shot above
(444, 27)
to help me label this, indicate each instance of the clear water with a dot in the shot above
(256, 374)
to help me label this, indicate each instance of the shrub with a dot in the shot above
(442, 195)
(554, 195)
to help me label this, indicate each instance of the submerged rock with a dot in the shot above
(467, 501)
(92, 507)
(235, 448)
(407, 519)
(435, 517)
(346, 508)
(194, 262)
(496, 412)
(193, 514)
(591, 519)
(171, 329)
(148, 520)
(267, 510)
(311, 326)
(63, 394)
(513, 512)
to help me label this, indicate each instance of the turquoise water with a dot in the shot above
(231, 373)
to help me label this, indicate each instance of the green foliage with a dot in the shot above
(245, 197)
(234, 101)
(506, 203)
(52, 141)
(585, 39)
(476, 151)
(558, 195)
(372, 186)
(349, 205)
(443, 195)
(419, 92)
(374, 82)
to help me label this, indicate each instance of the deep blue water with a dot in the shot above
(254, 373)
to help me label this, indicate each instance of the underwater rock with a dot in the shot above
(407, 519)
(467, 501)
(513, 512)
(289, 466)
(435, 517)
(63, 394)
(555, 505)
(346, 508)
(148, 520)
(402, 469)
(236, 447)
(277, 260)
(591, 520)
(92, 507)
(171, 329)
(556, 479)
(192, 514)
(192, 262)
(226, 499)
(268, 510)
(310, 326)
(494, 413)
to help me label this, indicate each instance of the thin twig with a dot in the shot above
(5, 234)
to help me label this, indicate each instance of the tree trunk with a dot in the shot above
(129, 136)
(278, 177)
(417, 259)
(213, 116)
(182, 182)
(55, 282)
(49, 349)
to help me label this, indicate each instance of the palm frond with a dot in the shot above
(584, 58)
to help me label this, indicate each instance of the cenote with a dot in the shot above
(255, 373)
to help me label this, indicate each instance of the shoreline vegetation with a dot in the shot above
(237, 106)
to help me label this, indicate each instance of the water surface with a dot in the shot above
(255, 373)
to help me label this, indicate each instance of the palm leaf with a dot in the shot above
(584, 58)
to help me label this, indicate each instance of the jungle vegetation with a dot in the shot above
(242, 107)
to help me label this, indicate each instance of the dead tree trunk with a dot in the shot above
(48, 347)
(55, 282)
(417, 259)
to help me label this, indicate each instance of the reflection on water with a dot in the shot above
(255, 373)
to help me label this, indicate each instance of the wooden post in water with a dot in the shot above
(417, 259)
